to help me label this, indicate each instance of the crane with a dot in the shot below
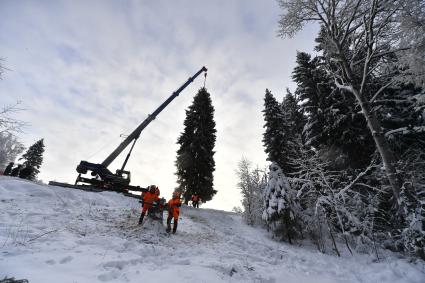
(102, 177)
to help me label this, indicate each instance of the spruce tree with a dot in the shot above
(334, 125)
(33, 159)
(294, 122)
(274, 135)
(280, 206)
(195, 157)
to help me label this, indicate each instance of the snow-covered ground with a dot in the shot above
(53, 234)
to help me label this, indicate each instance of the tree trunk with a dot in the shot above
(381, 144)
(374, 126)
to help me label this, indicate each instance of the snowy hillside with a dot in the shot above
(52, 234)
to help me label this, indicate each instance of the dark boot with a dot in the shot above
(168, 225)
(141, 218)
(175, 226)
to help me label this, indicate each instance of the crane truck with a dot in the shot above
(101, 177)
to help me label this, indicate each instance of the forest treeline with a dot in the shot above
(347, 147)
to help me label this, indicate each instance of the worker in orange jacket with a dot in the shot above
(157, 192)
(173, 211)
(148, 199)
(195, 200)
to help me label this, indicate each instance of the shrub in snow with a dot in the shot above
(251, 183)
(412, 232)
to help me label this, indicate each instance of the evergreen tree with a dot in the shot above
(401, 111)
(280, 206)
(34, 158)
(274, 135)
(359, 39)
(334, 124)
(195, 157)
(294, 122)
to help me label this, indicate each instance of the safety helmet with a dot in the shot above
(152, 188)
(176, 195)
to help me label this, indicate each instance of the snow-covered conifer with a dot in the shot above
(279, 204)
(334, 125)
(274, 134)
(33, 158)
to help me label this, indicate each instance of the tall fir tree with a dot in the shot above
(195, 157)
(294, 122)
(274, 135)
(33, 159)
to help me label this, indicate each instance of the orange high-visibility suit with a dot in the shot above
(195, 200)
(149, 198)
(173, 212)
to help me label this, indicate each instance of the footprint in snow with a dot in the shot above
(183, 262)
(50, 262)
(66, 259)
(108, 276)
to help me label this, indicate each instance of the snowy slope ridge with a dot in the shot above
(53, 234)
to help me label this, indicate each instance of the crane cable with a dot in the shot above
(107, 144)
(205, 78)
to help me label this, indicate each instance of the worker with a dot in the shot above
(155, 212)
(8, 169)
(195, 200)
(173, 211)
(149, 199)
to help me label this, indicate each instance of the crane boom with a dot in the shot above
(120, 180)
(136, 133)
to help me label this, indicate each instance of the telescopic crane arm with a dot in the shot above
(118, 180)
(136, 133)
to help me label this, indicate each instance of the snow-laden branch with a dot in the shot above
(345, 87)
(358, 177)
(405, 131)
(380, 90)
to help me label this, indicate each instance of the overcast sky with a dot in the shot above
(88, 71)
